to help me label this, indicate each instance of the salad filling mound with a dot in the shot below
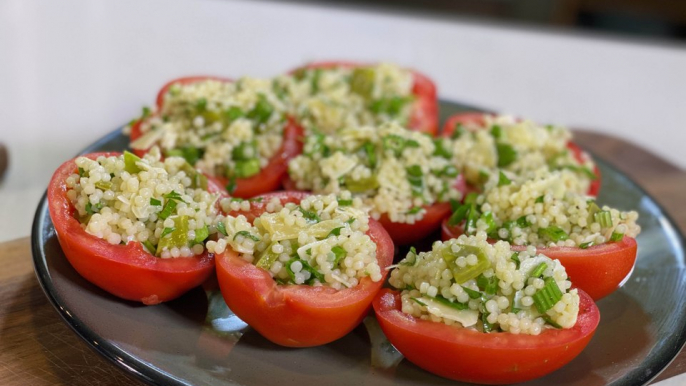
(326, 99)
(321, 241)
(539, 209)
(394, 171)
(164, 205)
(469, 283)
(228, 129)
(518, 146)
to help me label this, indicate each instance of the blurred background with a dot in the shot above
(74, 70)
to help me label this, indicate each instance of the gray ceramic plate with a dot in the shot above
(195, 340)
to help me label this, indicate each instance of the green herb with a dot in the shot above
(471, 198)
(515, 258)
(247, 235)
(457, 132)
(539, 200)
(487, 218)
(155, 202)
(463, 274)
(579, 169)
(421, 303)
(247, 168)
(496, 131)
(167, 231)
(262, 110)
(201, 104)
(487, 284)
(551, 322)
(392, 106)
(553, 233)
(339, 253)
(538, 271)
(146, 111)
(335, 232)
(231, 185)
(472, 294)
(616, 236)
(483, 176)
(503, 180)
(201, 234)
(189, 153)
(416, 180)
(362, 81)
(586, 245)
(233, 113)
(314, 82)
(441, 149)
(342, 202)
(449, 171)
(472, 218)
(246, 150)
(548, 296)
(415, 210)
(506, 154)
(168, 209)
(90, 209)
(308, 215)
(150, 247)
(454, 305)
(173, 195)
(522, 222)
(82, 173)
(221, 228)
(370, 151)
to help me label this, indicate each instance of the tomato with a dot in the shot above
(404, 233)
(477, 119)
(297, 315)
(599, 270)
(470, 356)
(126, 271)
(269, 178)
(424, 115)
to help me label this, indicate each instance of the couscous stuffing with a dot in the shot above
(164, 205)
(394, 171)
(469, 283)
(321, 241)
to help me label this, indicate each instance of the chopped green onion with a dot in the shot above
(268, 257)
(342, 202)
(82, 173)
(370, 151)
(308, 215)
(362, 81)
(539, 200)
(247, 168)
(421, 303)
(189, 153)
(201, 234)
(586, 245)
(522, 222)
(173, 195)
(472, 217)
(515, 258)
(392, 106)
(130, 160)
(487, 218)
(553, 233)
(496, 131)
(262, 110)
(538, 271)
(233, 113)
(441, 150)
(616, 236)
(415, 210)
(471, 198)
(548, 296)
(168, 209)
(604, 218)
(454, 305)
(246, 150)
(472, 294)
(463, 274)
(506, 154)
(339, 253)
(167, 231)
(457, 132)
(487, 284)
(361, 185)
(155, 202)
(246, 234)
(221, 228)
(150, 247)
(398, 144)
(503, 180)
(551, 322)
(415, 176)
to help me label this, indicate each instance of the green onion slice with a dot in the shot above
(469, 272)
(246, 234)
(553, 233)
(548, 296)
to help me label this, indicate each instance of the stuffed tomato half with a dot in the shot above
(478, 312)
(485, 143)
(537, 212)
(238, 132)
(329, 95)
(135, 227)
(405, 179)
(300, 269)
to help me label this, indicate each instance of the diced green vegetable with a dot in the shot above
(370, 151)
(586, 245)
(496, 131)
(522, 222)
(616, 236)
(173, 195)
(168, 209)
(201, 234)
(339, 253)
(335, 232)
(103, 185)
(155, 202)
(471, 198)
(309, 215)
(604, 218)
(539, 200)
(362, 81)
(233, 113)
(90, 208)
(538, 271)
(488, 219)
(415, 177)
(548, 296)
(441, 149)
(130, 160)
(82, 173)
(175, 237)
(515, 258)
(503, 180)
(189, 153)
(457, 132)
(342, 202)
(246, 150)
(247, 168)
(150, 247)
(469, 272)
(266, 258)
(361, 185)
(392, 106)
(414, 210)
(489, 285)
(553, 233)
(262, 110)
(472, 294)
(506, 154)
(221, 228)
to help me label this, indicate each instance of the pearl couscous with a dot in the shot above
(327, 99)
(469, 283)
(517, 146)
(227, 129)
(321, 241)
(539, 209)
(393, 170)
(164, 205)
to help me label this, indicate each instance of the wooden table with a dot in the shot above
(37, 348)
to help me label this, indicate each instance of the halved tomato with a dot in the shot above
(126, 271)
(424, 115)
(477, 119)
(297, 315)
(598, 270)
(467, 355)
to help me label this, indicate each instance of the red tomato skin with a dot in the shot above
(126, 271)
(298, 315)
(424, 115)
(477, 119)
(404, 233)
(270, 177)
(598, 270)
(471, 356)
